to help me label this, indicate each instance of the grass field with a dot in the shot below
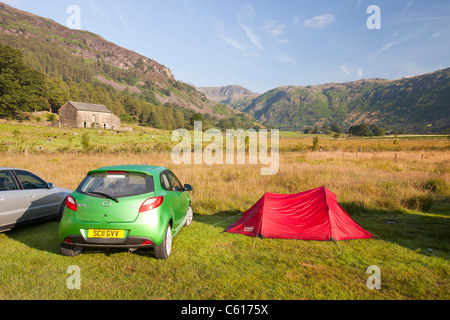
(401, 196)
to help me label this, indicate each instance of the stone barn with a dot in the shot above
(87, 115)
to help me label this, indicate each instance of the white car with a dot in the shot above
(25, 197)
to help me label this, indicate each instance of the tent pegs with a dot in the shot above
(340, 251)
(339, 245)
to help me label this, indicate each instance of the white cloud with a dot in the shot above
(284, 58)
(233, 43)
(283, 41)
(13, 3)
(274, 29)
(219, 30)
(386, 47)
(319, 21)
(436, 35)
(99, 10)
(246, 13)
(253, 37)
(121, 18)
(344, 68)
(245, 17)
(360, 74)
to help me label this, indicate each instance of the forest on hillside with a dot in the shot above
(25, 88)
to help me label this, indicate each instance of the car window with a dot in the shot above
(174, 182)
(30, 181)
(117, 185)
(7, 181)
(165, 183)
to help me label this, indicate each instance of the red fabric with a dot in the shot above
(310, 215)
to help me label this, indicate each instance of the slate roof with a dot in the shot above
(89, 107)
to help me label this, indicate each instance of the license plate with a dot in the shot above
(106, 234)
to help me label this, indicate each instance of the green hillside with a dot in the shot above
(81, 66)
(418, 104)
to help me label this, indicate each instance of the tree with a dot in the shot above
(326, 130)
(179, 118)
(315, 145)
(155, 120)
(361, 130)
(196, 117)
(85, 141)
(21, 88)
(225, 124)
(379, 132)
(336, 128)
(57, 93)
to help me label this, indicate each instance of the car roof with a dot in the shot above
(131, 168)
(6, 168)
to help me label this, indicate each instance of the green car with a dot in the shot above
(128, 207)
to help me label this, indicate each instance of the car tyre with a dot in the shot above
(163, 250)
(189, 216)
(68, 252)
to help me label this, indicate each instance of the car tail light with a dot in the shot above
(71, 203)
(117, 172)
(147, 243)
(151, 204)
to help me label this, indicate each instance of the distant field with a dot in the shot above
(35, 139)
(401, 196)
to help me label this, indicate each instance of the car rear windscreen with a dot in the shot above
(117, 185)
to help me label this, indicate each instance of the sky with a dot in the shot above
(265, 44)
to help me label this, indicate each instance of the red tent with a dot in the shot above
(310, 215)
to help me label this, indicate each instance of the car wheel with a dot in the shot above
(163, 250)
(68, 252)
(189, 216)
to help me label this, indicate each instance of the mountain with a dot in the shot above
(416, 104)
(236, 96)
(86, 58)
(66, 64)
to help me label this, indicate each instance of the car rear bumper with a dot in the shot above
(147, 227)
(129, 242)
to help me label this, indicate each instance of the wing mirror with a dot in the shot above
(50, 185)
(188, 187)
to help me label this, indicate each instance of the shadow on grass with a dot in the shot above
(426, 233)
(40, 235)
(44, 236)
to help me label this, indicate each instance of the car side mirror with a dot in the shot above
(188, 187)
(50, 185)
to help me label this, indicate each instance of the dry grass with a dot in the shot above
(375, 180)
(401, 197)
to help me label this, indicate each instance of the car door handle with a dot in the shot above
(33, 196)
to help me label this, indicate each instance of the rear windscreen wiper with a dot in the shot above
(105, 195)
